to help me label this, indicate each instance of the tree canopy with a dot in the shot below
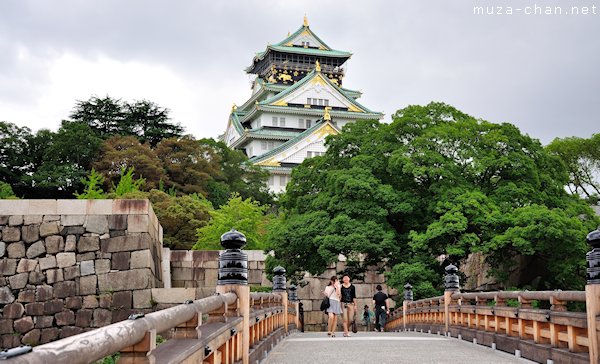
(434, 185)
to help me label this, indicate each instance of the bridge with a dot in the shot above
(237, 326)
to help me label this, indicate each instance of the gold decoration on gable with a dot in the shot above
(354, 108)
(271, 162)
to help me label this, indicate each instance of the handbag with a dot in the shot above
(354, 328)
(325, 304)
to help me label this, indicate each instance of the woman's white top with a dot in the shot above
(330, 292)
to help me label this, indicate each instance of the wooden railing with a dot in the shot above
(508, 321)
(231, 326)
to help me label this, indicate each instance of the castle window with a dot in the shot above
(281, 121)
(301, 123)
(275, 121)
(308, 123)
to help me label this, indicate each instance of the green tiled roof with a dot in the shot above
(289, 143)
(300, 30)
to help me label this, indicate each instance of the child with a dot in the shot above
(368, 316)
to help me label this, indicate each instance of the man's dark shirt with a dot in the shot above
(348, 294)
(379, 299)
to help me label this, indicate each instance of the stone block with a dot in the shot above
(84, 318)
(44, 293)
(35, 250)
(30, 233)
(49, 228)
(121, 314)
(211, 276)
(16, 250)
(6, 326)
(364, 290)
(125, 280)
(36, 277)
(71, 207)
(26, 265)
(34, 309)
(52, 307)
(138, 223)
(43, 206)
(49, 334)
(65, 318)
(173, 295)
(18, 281)
(86, 256)
(125, 243)
(67, 331)
(117, 222)
(88, 244)
(141, 259)
(11, 234)
(14, 207)
(65, 289)
(54, 275)
(90, 302)
(3, 218)
(254, 277)
(14, 220)
(48, 218)
(121, 300)
(87, 268)
(102, 266)
(42, 322)
(105, 300)
(8, 266)
(65, 260)
(23, 325)
(307, 305)
(72, 230)
(71, 273)
(101, 317)
(32, 219)
(129, 207)
(198, 274)
(2, 247)
(10, 341)
(117, 233)
(32, 337)
(6, 296)
(26, 295)
(54, 244)
(120, 261)
(182, 274)
(71, 243)
(142, 298)
(99, 207)
(73, 303)
(87, 285)
(96, 224)
(47, 262)
(72, 220)
(13, 311)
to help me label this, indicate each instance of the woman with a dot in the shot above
(335, 308)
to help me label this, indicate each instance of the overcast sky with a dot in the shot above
(539, 72)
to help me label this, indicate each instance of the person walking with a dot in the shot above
(348, 292)
(368, 316)
(380, 301)
(335, 308)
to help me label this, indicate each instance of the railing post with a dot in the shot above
(451, 285)
(233, 277)
(293, 297)
(592, 294)
(279, 287)
(408, 297)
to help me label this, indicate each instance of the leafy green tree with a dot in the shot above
(103, 115)
(14, 161)
(435, 184)
(150, 122)
(92, 187)
(127, 184)
(247, 216)
(6, 192)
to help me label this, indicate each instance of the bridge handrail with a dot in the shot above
(567, 296)
(107, 340)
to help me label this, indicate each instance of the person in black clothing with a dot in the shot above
(380, 302)
(348, 292)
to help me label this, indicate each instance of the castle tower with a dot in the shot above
(297, 100)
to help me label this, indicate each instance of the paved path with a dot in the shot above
(383, 348)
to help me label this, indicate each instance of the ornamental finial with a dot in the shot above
(288, 33)
(233, 107)
(305, 20)
(317, 66)
(326, 116)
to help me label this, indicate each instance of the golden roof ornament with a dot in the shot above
(305, 20)
(289, 33)
(233, 107)
(326, 115)
(317, 66)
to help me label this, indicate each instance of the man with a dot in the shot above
(380, 302)
(348, 293)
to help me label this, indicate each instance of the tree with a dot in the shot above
(246, 216)
(150, 122)
(120, 152)
(92, 187)
(103, 115)
(6, 192)
(14, 161)
(434, 185)
(582, 160)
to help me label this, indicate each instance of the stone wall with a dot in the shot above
(68, 266)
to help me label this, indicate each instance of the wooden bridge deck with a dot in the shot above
(381, 348)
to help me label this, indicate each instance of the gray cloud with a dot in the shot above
(538, 72)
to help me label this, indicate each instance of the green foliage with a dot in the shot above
(246, 216)
(127, 184)
(255, 288)
(180, 217)
(435, 183)
(6, 192)
(92, 187)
